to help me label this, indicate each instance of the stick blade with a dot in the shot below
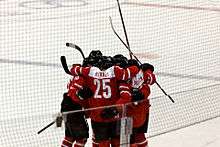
(64, 64)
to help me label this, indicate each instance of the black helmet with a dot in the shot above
(120, 60)
(133, 62)
(95, 54)
(88, 62)
(105, 62)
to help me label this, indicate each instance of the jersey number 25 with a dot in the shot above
(103, 89)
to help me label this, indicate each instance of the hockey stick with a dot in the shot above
(76, 47)
(64, 64)
(50, 124)
(128, 47)
(123, 24)
(63, 58)
(155, 81)
(110, 19)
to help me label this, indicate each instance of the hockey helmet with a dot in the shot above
(120, 60)
(95, 54)
(105, 62)
(133, 62)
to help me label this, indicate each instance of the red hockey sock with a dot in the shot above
(141, 140)
(115, 142)
(80, 142)
(104, 143)
(133, 145)
(67, 142)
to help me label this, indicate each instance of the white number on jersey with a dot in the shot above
(102, 85)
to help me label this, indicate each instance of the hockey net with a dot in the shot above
(181, 39)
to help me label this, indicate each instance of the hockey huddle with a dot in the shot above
(102, 85)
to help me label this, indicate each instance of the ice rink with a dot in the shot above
(180, 38)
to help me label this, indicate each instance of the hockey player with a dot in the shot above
(139, 110)
(103, 80)
(76, 127)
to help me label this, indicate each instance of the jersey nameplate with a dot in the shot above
(98, 74)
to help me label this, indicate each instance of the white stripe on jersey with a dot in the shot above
(123, 87)
(125, 92)
(75, 70)
(80, 70)
(77, 85)
(129, 73)
(123, 78)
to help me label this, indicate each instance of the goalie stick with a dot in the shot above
(128, 47)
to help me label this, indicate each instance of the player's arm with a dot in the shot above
(77, 89)
(125, 74)
(78, 70)
(125, 93)
(149, 76)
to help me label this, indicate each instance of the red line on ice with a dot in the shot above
(175, 6)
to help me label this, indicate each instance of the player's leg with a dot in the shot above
(67, 142)
(103, 143)
(100, 134)
(115, 142)
(138, 138)
(75, 123)
(115, 133)
(141, 140)
(80, 142)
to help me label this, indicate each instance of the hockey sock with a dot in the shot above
(115, 142)
(104, 143)
(80, 143)
(67, 142)
(141, 140)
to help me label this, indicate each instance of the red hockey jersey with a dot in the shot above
(139, 110)
(105, 86)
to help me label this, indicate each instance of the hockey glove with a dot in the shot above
(108, 113)
(137, 95)
(85, 93)
(59, 120)
(147, 66)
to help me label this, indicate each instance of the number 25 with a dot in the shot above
(102, 84)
